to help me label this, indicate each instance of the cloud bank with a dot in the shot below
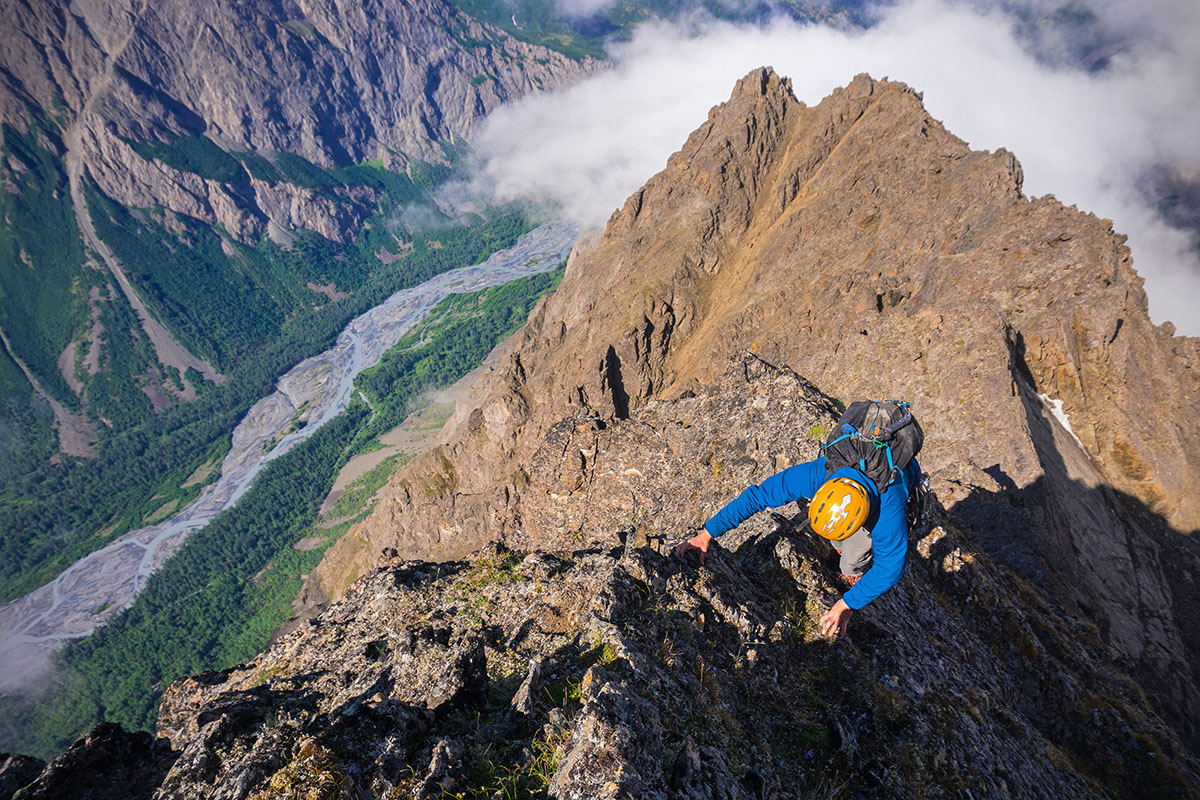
(1088, 137)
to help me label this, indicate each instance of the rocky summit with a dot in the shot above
(601, 666)
(861, 244)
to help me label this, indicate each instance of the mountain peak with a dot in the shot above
(864, 246)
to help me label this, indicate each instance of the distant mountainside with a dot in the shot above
(336, 83)
(228, 116)
(862, 245)
(195, 199)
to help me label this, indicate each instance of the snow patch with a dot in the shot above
(1055, 407)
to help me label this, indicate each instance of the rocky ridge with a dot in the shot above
(863, 245)
(603, 668)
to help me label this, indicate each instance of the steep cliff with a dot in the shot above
(861, 244)
(337, 83)
(600, 667)
(333, 82)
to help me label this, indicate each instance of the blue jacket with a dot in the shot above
(885, 521)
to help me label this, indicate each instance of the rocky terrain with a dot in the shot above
(598, 667)
(864, 246)
(336, 83)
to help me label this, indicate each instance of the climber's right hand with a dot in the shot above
(699, 542)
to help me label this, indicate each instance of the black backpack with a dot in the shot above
(877, 438)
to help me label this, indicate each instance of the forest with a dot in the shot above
(246, 309)
(218, 600)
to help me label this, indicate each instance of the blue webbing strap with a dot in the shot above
(892, 471)
(850, 433)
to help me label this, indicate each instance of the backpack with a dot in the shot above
(877, 438)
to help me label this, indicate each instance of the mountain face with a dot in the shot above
(219, 123)
(601, 667)
(336, 83)
(854, 246)
(860, 244)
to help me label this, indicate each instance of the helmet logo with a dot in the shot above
(838, 512)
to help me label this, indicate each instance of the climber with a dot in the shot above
(862, 509)
(868, 529)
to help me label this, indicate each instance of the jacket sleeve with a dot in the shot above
(801, 480)
(889, 543)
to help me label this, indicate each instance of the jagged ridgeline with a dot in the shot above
(194, 201)
(864, 246)
(861, 245)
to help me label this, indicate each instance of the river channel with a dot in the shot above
(316, 390)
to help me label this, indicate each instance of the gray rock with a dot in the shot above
(17, 771)
(106, 764)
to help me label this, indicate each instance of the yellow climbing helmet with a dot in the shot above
(838, 508)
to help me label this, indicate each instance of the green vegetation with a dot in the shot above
(500, 568)
(259, 167)
(197, 154)
(247, 309)
(25, 423)
(358, 495)
(207, 606)
(43, 285)
(459, 331)
(546, 23)
(817, 432)
(221, 307)
(540, 22)
(217, 601)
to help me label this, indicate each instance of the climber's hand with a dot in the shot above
(698, 543)
(834, 621)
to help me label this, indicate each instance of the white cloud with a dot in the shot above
(584, 8)
(1087, 138)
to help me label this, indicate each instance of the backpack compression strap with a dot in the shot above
(891, 430)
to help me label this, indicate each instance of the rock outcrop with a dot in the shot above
(107, 762)
(861, 244)
(17, 771)
(600, 667)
